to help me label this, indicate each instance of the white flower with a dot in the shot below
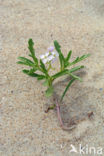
(41, 57)
(45, 61)
(55, 54)
(50, 49)
(49, 56)
(46, 54)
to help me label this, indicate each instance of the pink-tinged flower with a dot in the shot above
(46, 54)
(45, 61)
(50, 56)
(42, 57)
(55, 54)
(50, 49)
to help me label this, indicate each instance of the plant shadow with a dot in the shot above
(77, 104)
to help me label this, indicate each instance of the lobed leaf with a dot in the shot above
(59, 74)
(66, 71)
(75, 77)
(30, 73)
(68, 56)
(78, 59)
(32, 50)
(23, 63)
(67, 87)
(75, 69)
(43, 67)
(27, 61)
(61, 57)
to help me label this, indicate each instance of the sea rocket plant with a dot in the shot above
(44, 65)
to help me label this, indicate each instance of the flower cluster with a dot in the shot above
(49, 56)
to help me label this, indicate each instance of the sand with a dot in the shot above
(25, 128)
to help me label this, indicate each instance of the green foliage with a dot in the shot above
(32, 50)
(67, 87)
(31, 73)
(42, 65)
(38, 65)
(78, 59)
(49, 91)
(68, 58)
(25, 61)
(61, 57)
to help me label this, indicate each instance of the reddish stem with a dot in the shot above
(60, 119)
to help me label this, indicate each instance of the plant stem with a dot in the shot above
(60, 119)
(49, 66)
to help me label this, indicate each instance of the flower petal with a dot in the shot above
(50, 58)
(51, 49)
(55, 54)
(46, 54)
(54, 60)
(45, 61)
(42, 56)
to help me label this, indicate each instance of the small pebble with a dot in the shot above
(11, 91)
(101, 89)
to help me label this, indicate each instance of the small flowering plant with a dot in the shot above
(40, 68)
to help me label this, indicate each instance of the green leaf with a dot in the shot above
(25, 60)
(31, 44)
(68, 56)
(49, 91)
(30, 73)
(61, 57)
(45, 83)
(32, 70)
(75, 69)
(41, 77)
(67, 87)
(32, 50)
(23, 63)
(59, 74)
(66, 71)
(30, 55)
(75, 77)
(43, 67)
(78, 59)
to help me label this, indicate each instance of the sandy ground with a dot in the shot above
(25, 129)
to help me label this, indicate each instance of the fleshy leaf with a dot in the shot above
(59, 74)
(32, 50)
(30, 73)
(43, 66)
(67, 87)
(49, 91)
(75, 69)
(78, 59)
(25, 61)
(68, 56)
(61, 57)
(75, 77)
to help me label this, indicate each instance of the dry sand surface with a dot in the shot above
(25, 129)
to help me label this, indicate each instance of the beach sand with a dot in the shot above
(25, 128)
